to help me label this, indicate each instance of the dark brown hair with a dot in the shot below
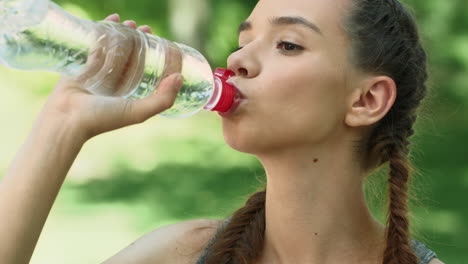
(384, 41)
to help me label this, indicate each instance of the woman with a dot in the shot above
(330, 91)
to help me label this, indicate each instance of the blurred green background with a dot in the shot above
(131, 181)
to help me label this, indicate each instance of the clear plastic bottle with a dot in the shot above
(107, 57)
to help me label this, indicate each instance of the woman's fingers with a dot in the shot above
(113, 17)
(145, 29)
(163, 99)
(130, 23)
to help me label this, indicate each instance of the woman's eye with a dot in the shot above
(288, 46)
(283, 45)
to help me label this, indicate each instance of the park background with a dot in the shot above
(128, 182)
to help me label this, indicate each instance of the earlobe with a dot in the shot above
(371, 103)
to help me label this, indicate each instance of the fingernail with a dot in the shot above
(144, 27)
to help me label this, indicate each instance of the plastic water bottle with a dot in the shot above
(108, 58)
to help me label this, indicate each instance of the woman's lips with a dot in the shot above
(234, 107)
(239, 93)
(238, 98)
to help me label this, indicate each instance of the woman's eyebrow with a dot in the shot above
(284, 20)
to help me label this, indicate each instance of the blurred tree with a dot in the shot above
(188, 22)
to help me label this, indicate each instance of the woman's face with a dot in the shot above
(293, 72)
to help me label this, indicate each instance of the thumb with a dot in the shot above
(156, 103)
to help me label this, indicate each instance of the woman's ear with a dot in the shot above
(371, 101)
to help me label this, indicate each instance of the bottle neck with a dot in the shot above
(223, 95)
(216, 96)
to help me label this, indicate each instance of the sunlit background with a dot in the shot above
(131, 181)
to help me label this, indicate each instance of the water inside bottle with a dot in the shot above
(109, 59)
(16, 15)
(54, 44)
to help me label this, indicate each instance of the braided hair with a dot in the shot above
(384, 40)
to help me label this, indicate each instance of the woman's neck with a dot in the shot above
(316, 210)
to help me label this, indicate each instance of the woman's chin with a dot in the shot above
(243, 144)
(234, 143)
(242, 136)
(237, 143)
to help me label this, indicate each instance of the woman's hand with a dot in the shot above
(91, 114)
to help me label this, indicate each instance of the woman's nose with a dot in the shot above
(241, 72)
(244, 65)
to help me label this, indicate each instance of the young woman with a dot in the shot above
(330, 91)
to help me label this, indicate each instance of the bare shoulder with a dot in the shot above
(436, 261)
(179, 243)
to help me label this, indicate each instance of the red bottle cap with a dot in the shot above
(228, 91)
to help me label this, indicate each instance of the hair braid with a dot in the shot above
(241, 241)
(398, 248)
(391, 141)
(385, 40)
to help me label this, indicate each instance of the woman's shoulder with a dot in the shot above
(425, 255)
(182, 242)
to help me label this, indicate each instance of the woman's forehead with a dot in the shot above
(325, 14)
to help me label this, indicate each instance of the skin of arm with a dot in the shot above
(70, 117)
(31, 185)
(435, 261)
